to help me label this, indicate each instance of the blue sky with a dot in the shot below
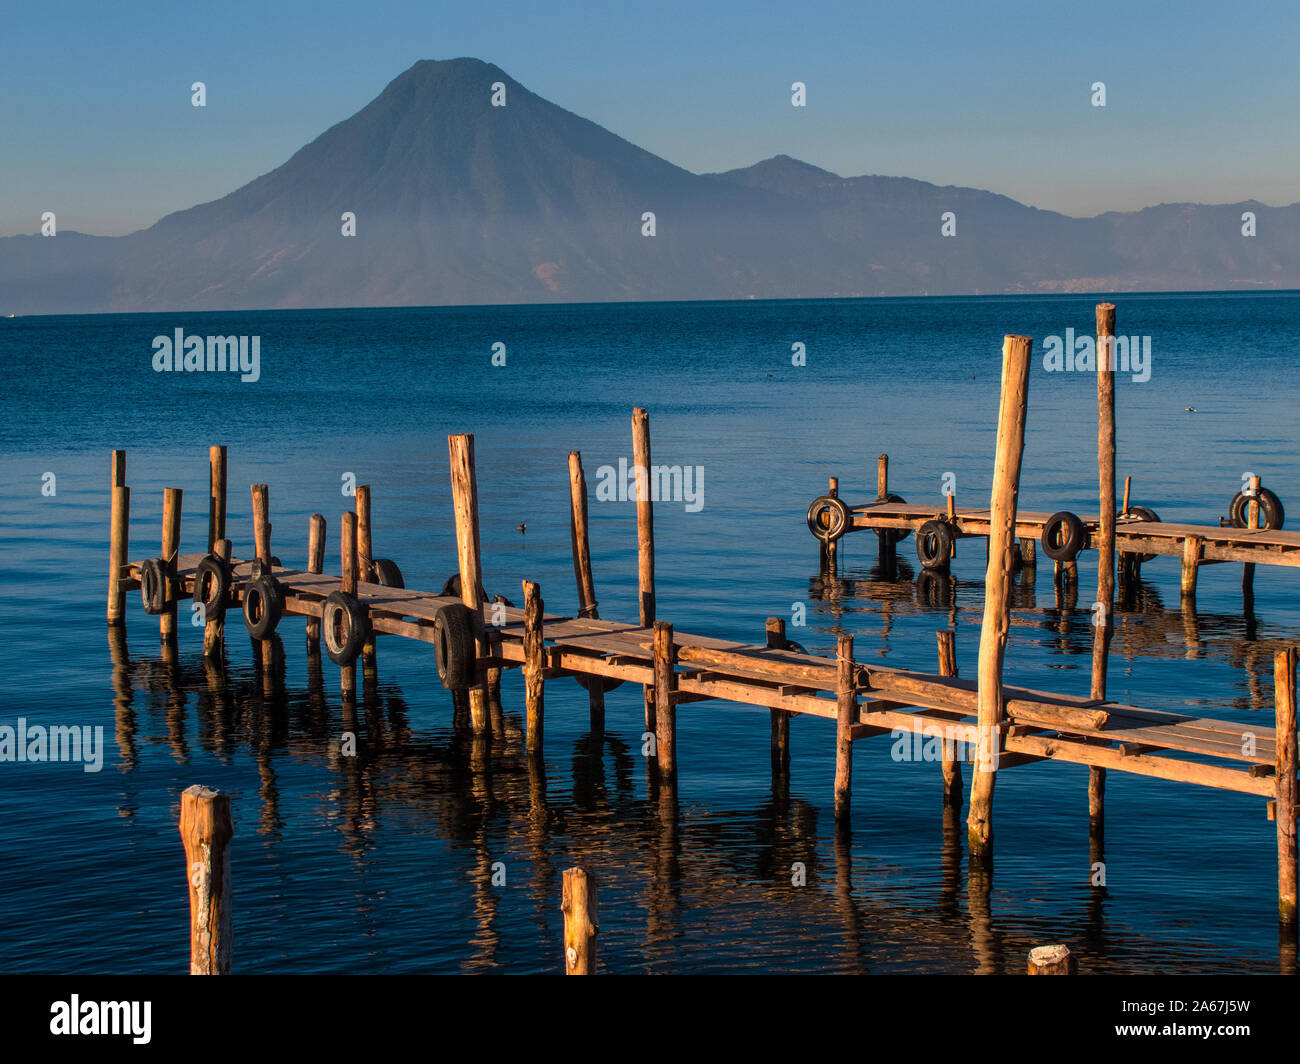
(96, 122)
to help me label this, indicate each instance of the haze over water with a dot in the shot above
(382, 862)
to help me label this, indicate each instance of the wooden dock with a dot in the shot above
(990, 725)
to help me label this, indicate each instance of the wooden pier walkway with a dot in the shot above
(985, 722)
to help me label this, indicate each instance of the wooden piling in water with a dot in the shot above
(581, 924)
(831, 548)
(119, 535)
(1012, 414)
(1051, 960)
(1284, 701)
(1102, 632)
(464, 491)
(261, 496)
(348, 585)
(1252, 521)
(947, 641)
(846, 712)
(665, 702)
(582, 572)
(171, 541)
(214, 632)
(365, 568)
(206, 831)
(882, 476)
(645, 536)
(216, 496)
(1192, 546)
(534, 666)
(315, 563)
(780, 718)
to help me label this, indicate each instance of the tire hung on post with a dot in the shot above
(1063, 536)
(343, 625)
(453, 643)
(154, 579)
(387, 574)
(836, 518)
(1141, 513)
(934, 541)
(889, 536)
(1271, 513)
(212, 580)
(263, 606)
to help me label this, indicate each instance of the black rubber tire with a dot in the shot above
(1142, 513)
(453, 643)
(263, 606)
(1068, 529)
(1271, 514)
(214, 574)
(607, 683)
(343, 626)
(452, 589)
(387, 574)
(837, 518)
(893, 535)
(154, 579)
(798, 648)
(934, 541)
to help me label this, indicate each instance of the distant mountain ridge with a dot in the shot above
(461, 202)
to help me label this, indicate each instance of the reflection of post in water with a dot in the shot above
(855, 961)
(589, 792)
(665, 868)
(1191, 628)
(173, 682)
(123, 713)
(489, 877)
(979, 888)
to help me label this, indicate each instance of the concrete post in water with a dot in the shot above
(206, 831)
(581, 924)
(464, 492)
(846, 713)
(1103, 624)
(645, 535)
(578, 529)
(1012, 415)
(1284, 682)
(119, 529)
(534, 663)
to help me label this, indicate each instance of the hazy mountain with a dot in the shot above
(458, 201)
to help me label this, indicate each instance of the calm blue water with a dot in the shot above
(382, 862)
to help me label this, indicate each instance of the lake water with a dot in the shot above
(383, 862)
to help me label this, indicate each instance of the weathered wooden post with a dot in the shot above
(1284, 681)
(645, 536)
(888, 541)
(1252, 521)
(315, 564)
(581, 924)
(206, 831)
(665, 700)
(171, 539)
(831, 547)
(993, 634)
(951, 764)
(365, 570)
(846, 712)
(534, 664)
(464, 492)
(780, 718)
(348, 585)
(1102, 621)
(582, 572)
(261, 495)
(214, 631)
(1051, 960)
(119, 535)
(1192, 547)
(216, 496)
